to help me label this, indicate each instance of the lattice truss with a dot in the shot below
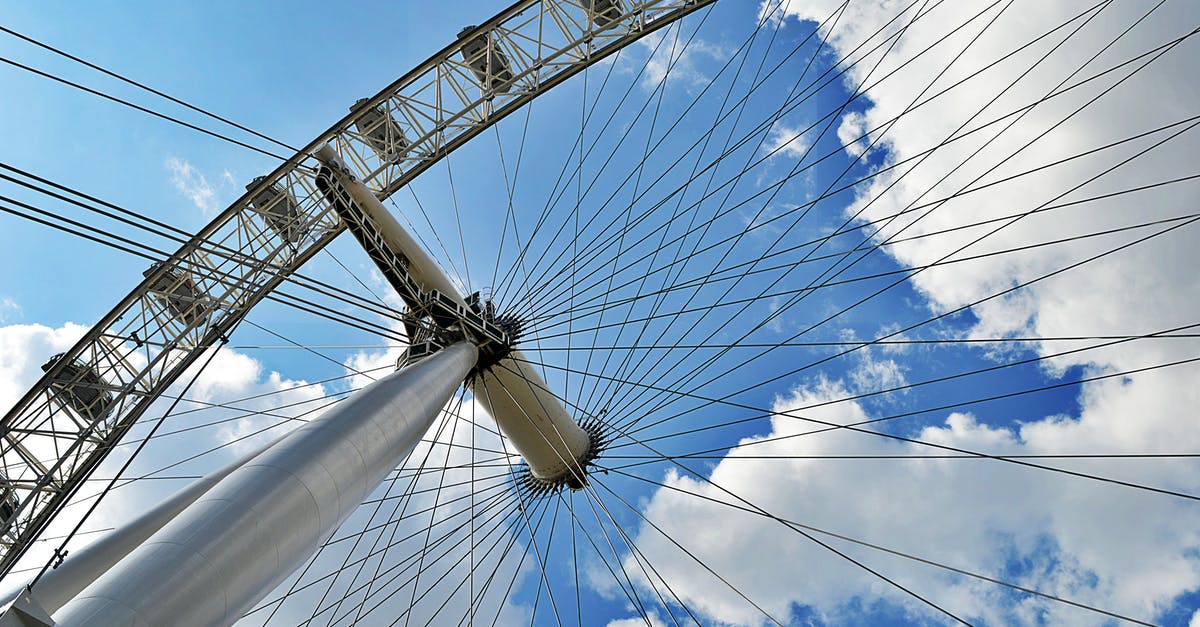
(91, 395)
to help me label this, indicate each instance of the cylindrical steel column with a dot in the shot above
(512, 391)
(240, 539)
(84, 566)
(533, 419)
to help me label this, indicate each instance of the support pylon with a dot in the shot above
(246, 534)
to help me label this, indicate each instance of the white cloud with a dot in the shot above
(8, 308)
(787, 141)
(974, 514)
(232, 376)
(23, 349)
(681, 63)
(192, 183)
(638, 621)
(1113, 547)
(851, 133)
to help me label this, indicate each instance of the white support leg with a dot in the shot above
(59, 585)
(234, 544)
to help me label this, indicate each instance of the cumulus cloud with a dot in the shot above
(974, 514)
(190, 182)
(196, 424)
(786, 141)
(8, 309)
(680, 63)
(1120, 549)
(638, 621)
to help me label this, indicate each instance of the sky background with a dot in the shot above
(1048, 245)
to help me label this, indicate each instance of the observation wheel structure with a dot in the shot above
(838, 309)
(90, 396)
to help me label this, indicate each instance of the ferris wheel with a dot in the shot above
(638, 332)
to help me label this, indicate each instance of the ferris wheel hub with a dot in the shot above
(506, 383)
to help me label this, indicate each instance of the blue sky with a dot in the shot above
(290, 70)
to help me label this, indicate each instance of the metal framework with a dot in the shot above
(91, 395)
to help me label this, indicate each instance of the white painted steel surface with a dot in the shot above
(82, 567)
(512, 391)
(239, 540)
(533, 419)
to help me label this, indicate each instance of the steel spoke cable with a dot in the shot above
(926, 410)
(514, 524)
(144, 251)
(503, 288)
(417, 233)
(854, 94)
(505, 284)
(574, 556)
(1014, 219)
(635, 598)
(582, 529)
(815, 540)
(379, 299)
(544, 584)
(877, 275)
(450, 596)
(667, 279)
(1019, 286)
(432, 516)
(766, 124)
(465, 279)
(949, 377)
(541, 561)
(856, 428)
(496, 501)
(1105, 456)
(643, 562)
(295, 586)
(966, 134)
(509, 188)
(728, 62)
(402, 502)
(917, 99)
(741, 267)
(410, 561)
(678, 210)
(174, 234)
(660, 91)
(408, 613)
(512, 541)
(877, 547)
(783, 109)
(801, 531)
(471, 521)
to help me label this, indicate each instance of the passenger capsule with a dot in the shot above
(604, 12)
(8, 502)
(278, 208)
(179, 293)
(381, 131)
(485, 58)
(81, 388)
